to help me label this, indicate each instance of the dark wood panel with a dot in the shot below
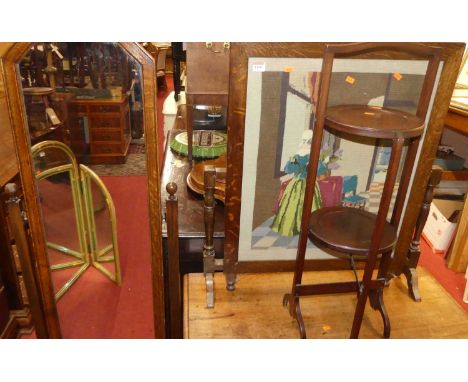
(7, 264)
(106, 135)
(207, 72)
(4, 308)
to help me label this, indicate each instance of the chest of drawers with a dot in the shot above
(99, 130)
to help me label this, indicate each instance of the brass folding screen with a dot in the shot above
(79, 216)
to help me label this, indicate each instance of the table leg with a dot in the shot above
(414, 251)
(295, 312)
(209, 265)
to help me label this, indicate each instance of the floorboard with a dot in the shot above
(255, 309)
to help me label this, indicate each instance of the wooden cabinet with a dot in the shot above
(99, 130)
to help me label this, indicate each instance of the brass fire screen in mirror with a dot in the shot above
(79, 217)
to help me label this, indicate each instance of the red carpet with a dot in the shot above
(95, 307)
(453, 282)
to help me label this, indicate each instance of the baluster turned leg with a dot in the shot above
(209, 265)
(414, 251)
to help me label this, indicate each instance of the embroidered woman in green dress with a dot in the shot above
(287, 221)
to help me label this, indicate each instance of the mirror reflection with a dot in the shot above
(83, 103)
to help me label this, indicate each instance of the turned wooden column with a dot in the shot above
(173, 267)
(414, 251)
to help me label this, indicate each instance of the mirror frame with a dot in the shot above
(17, 115)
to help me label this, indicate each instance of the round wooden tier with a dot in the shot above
(39, 91)
(196, 181)
(373, 121)
(348, 230)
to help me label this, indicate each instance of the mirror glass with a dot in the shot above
(64, 238)
(100, 214)
(84, 102)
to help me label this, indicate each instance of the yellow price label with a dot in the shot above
(350, 80)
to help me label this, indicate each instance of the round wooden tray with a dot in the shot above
(195, 179)
(39, 91)
(373, 121)
(348, 230)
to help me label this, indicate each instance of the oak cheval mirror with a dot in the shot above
(89, 115)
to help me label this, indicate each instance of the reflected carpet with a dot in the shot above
(97, 308)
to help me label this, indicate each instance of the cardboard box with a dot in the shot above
(439, 231)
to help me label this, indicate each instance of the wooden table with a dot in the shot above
(176, 168)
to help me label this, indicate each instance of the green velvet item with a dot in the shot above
(206, 143)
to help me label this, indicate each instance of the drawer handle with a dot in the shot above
(107, 150)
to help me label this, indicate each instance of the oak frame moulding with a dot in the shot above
(9, 58)
(451, 57)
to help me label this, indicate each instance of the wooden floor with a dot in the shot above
(255, 309)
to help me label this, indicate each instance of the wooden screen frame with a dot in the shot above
(452, 54)
(17, 114)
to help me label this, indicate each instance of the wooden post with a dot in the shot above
(173, 266)
(50, 68)
(414, 251)
(209, 266)
(189, 125)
